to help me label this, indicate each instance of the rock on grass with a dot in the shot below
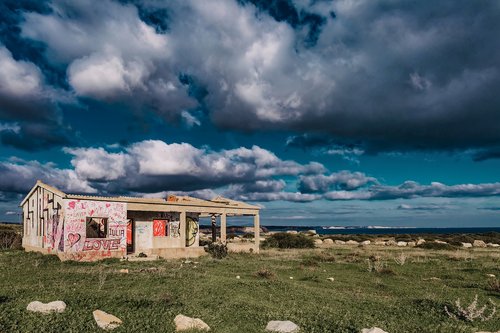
(56, 306)
(282, 326)
(105, 320)
(183, 323)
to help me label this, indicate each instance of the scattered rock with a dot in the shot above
(293, 232)
(311, 232)
(339, 242)
(327, 241)
(236, 239)
(412, 244)
(492, 245)
(238, 277)
(330, 279)
(149, 270)
(282, 326)
(439, 242)
(291, 277)
(373, 330)
(124, 270)
(479, 243)
(391, 243)
(420, 241)
(379, 243)
(401, 244)
(55, 306)
(433, 278)
(466, 245)
(491, 275)
(183, 323)
(188, 262)
(318, 242)
(352, 242)
(105, 320)
(488, 332)
(366, 242)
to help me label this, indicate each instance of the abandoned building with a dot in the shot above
(86, 228)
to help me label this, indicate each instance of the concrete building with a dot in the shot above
(86, 228)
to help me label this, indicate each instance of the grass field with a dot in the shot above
(405, 293)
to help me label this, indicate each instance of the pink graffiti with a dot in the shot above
(73, 238)
(72, 204)
(101, 244)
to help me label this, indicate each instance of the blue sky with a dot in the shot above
(324, 112)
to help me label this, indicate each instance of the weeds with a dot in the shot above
(101, 278)
(265, 273)
(494, 285)
(401, 259)
(472, 312)
(217, 250)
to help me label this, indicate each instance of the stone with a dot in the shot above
(492, 245)
(491, 275)
(339, 242)
(124, 270)
(282, 326)
(55, 306)
(327, 241)
(420, 241)
(479, 243)
(236, 239)
(293, 232)
(352, 242)
(330, 279)
(373, 330)
(379, 243)
(366, 242)
(238, 277)
(391, 243)
(401, 244)
(318, 242)
(466, 245)
(488, 332)
(105, 320)
(183, 323)
(439, 242)
(412, 244)
(291, 277)
(312, 232)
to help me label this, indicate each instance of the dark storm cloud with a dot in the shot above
(343, 180)
(487, 154)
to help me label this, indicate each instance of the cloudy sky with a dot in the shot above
(345, 112)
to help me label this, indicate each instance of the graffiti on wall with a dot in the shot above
(75, 231)
(54, 234)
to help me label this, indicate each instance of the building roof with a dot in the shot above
(218, 202)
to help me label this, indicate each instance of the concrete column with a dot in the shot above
(256, 226)
(182, 228)
(223, 228)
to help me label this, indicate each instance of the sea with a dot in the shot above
(380, 230)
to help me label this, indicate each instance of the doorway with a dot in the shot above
(130, 236)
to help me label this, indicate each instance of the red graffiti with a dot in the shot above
(73, 239)
(71, 205)
(101, 244)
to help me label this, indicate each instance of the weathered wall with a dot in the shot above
(43, 218)
(77, 246)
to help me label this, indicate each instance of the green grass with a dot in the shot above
(147, 300)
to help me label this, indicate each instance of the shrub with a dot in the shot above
(217, 250)
(436, 246)
(247, 236)
(9, 239)
(265, 273)
(494, 285)
(472, 312)
(284, 240)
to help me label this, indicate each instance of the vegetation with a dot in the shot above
(273, 285)
(10, 236)
(217, 250)
(283, 240)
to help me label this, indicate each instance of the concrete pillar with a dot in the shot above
(182, 228)
(223, 228)
(256, 226)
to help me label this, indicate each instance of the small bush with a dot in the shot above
(472, 312)
(265, 273)
(285, 240)
(247, 236)
(436, 246)
(217, 250)
(494, 285)
(9, 239)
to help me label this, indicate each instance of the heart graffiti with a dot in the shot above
(73, 239)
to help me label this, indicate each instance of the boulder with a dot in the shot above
(330, 279)
(412, 244)
(373, 330)
(327, 241)
(466, 245)
(105, 320)
(282, 326)
(437, 241)
(479, 243)
(236, 239)
(183, 323)
(318, 242)
(55, 306)
(492, 245)
(293, 232)
(124, 270)
(401, 244)
(491, 275)
(366, 242)
(339, 242)
(420, 241)
(311, 232)
(379, 243)
(352, 242)
(391, 243)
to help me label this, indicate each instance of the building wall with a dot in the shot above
(77, 246)
(43, 221)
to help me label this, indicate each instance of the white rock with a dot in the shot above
(402, 244)
(352, 242)
(327, 241)
(391, 243)
(339, 242)
(312, 232)
(492, 245)
(293, 232)
(479, 243)
(373, 330)
(318, 242)
(105, 320)
(466, 245)
(439, 242)
(183, 323)
(420, 241)
(56, 306)
(412, 244)
(291, 277)
(330, 279)
(366, 242)
(282, 326)
(491, 275)
(379, 243)
(238, 277)
(124, 270)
